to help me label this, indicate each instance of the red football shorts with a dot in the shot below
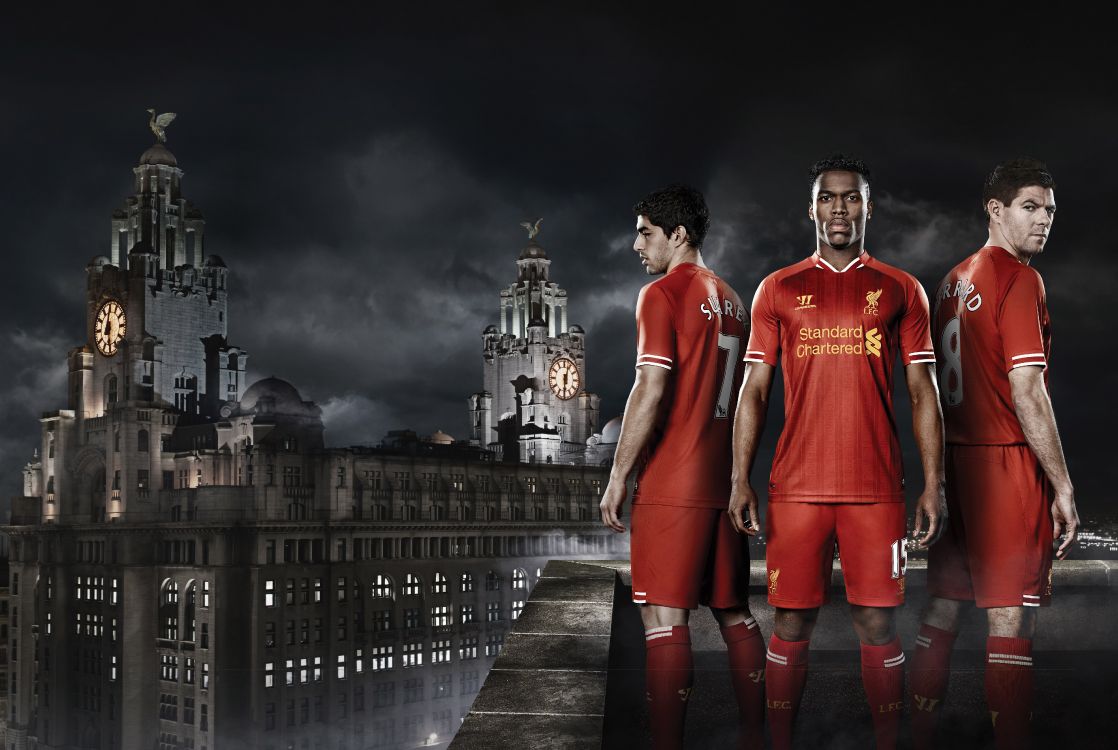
(997, 547)
(684, 557)
(800, 553)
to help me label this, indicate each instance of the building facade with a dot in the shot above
(192, 567)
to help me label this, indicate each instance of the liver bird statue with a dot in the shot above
(533, 229)
(158, 124)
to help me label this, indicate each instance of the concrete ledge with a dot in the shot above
(547, 689)
(571, 673)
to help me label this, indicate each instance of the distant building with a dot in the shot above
(191, 567)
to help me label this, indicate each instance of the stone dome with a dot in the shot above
(440, 438)
(214, 261)
(99, 261)
(285, 399)
(532, 250)
(611, 432)
(576, 329)
(491, 329)
(158, 154)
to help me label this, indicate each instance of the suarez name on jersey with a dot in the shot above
(692, 323)
(836, 334)
(990, 318)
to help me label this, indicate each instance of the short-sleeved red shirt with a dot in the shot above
(990, 318)
(836, 334)
(692, 323)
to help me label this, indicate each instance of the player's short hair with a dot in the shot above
(1009, 177)
(677, 206)
(839, 163)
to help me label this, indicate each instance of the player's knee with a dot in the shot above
(874, 625)
(943, 614)
(794, 624)
(1012, 622)
(729, 617)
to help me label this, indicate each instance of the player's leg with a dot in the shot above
(669, 672)
(745, 647)
(799, 558)
(949, 586)
(669, 548)
(871, 540)
(1010, 557)
(1009, 674)
(931, 664)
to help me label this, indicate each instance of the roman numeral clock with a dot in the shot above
(563, 378)
(109, 327)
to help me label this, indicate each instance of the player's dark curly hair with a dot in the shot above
(677, 206)
(1009, 177)
(839, 163)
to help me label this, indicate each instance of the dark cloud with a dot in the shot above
(364, 177)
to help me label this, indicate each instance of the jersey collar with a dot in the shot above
(859, 260)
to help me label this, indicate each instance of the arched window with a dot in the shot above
(383, 588)
(519, 579)
(189, 620)
(438, 586)
(169, 610)
(492, 581)
(413, 585)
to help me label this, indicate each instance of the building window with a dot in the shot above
(412, 655)
(269, 593)
(440, 652)
(382, 620)
(318, 669)
(492, 581)
(441, 616)
(341, 666)
(470, 683)
(467, 647)
(269, 674)
(517, 608)
(142, 441)
(467, 583)
(289, 672)
(413, 690)
(413, 586)
(413, 618)
(384, 694)
(493, 612)
(438, 586)
(341, 588)
(493, 644)
(443, 687)
(466, 613)
(519, 579)
(205, 593)
(381, 658)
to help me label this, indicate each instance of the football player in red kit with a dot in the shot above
(836, 322)
(1008, 489)
(676, 432)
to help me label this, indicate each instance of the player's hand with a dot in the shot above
(931, 507)
(612, 501)
(744, 500)
(1065, 521)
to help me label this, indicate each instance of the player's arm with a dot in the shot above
(749, 422)
(1034, 411)
(927, 427)
(637, 425)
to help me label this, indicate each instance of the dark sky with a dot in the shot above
(363, 174)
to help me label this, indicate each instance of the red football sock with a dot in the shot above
(1009, 689)
(883, 679)
(669, 670)
(747, 670)
(785, 677)
(931, 665)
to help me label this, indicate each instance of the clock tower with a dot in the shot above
(535, 406)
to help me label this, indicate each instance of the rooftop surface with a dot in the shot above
(572, 672)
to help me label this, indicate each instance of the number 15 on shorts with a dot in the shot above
(899, 557)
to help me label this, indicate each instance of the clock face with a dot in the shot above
(109, 328)
(564, 378)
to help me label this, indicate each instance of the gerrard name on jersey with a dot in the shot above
(962, 289)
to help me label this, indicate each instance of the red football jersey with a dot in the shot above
(692, 323)
(836, 334)
(990, 318)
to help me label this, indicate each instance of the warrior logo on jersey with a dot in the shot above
(773, 575)
(804, 301)
(872, 299)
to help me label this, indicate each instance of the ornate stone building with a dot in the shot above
(535, 405)
(191, 567)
